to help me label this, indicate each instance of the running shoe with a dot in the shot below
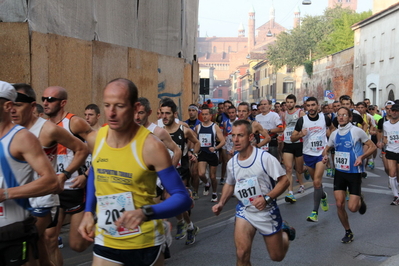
(206, 190)
(191, 235)
(306, 174)
(329, 172)
(289, 230)
(214, 198)
(167, 227)
(181, 230)
(301, 189)
(195, 196)
(222, 181)
(312, 217)
(60, 244)
(364, 175)
(371, 165)
(290, 198)
(333, 172)
(395, 201)
(324, 203)
(347, 238)
(363, 206)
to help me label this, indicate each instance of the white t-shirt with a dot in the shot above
(391, 131)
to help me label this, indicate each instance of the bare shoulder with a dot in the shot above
(184, 124)
(24, 142)
(80, 126)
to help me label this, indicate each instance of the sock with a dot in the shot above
(190, 226)
(207, 184)
(371, 160)
(317, 195)
(215, 194)
(394, 185)
(290, 192)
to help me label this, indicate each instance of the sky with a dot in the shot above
(221, 18)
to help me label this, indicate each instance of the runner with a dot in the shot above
(292, 152)
(348, 141)
(313, 129)
(257, 191)
(123, 183)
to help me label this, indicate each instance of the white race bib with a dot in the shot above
(316, 143)
(265, 147)
(288, 132)
(342, 160)
(246, 190)
(393, 137)
(110, 208)
(205, 139)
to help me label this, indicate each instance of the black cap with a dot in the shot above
(395, 107)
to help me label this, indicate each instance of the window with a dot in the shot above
(220, 93)
(392, 45)
(287, 87)
(214, 49)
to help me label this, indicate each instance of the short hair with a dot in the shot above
(131, 87)
(220, 104)
(276, 103)
(291, 97)
(361, 103)
(312, 99)
(227, 101)
(232, 107)
(170, 103)
(283, 103)
(246, 123)
(244, 104)
(145, 102)
(335, 101)
(347, 110)
(39, 108)
(26, 89)
(94, 107)
(206, 107)
(366, 99)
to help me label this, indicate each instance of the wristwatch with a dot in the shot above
(268, 199)
(66, 173)
(148, 211)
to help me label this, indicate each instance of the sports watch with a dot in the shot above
(268, 199)
(66, 173)
(148, 211)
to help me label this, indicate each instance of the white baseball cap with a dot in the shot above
(7, 91)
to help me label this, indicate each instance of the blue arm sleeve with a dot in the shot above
(179, 200)
(91, 200)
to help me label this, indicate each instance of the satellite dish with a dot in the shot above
(306, 2)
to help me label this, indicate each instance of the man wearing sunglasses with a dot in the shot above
(72, 199)
(45, 208)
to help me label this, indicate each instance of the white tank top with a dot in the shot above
(290, 122)
(315, 140)
(13, 173)
(152, 127)
(391, 131)
(50, 200)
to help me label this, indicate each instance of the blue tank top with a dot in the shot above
(346, 153)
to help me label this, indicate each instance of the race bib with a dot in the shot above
(111, 207)
(393, 137)
(205, 139)
(342, 160)
(288, 132)
(61, 162)
(316, 143)
(247, 190)
(265, 147)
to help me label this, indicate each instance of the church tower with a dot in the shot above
(297, 17)
(241, 30)
(351, 4)
(272, 17)
(251, 29)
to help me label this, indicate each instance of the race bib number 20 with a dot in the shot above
(111, 207)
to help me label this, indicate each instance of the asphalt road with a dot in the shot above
(376, 232)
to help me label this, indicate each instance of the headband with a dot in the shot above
(23, 98)
(193, 107)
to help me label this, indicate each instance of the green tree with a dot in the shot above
(317, 37)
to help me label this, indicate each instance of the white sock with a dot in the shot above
(394, 185)
(190, 226)
(292, 193)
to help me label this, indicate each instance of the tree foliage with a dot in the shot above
(317, 37)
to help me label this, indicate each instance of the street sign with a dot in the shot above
(326, 92)
(305, 98)
(331, 96)
(273, 101)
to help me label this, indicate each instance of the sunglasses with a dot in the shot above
(51, 99)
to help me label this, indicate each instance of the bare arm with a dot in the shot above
(164, 136)
(80, 127)
(227, 192)
(191, 136)
(221, 139)
(25, 146)
(370, 149)
(257, 128)
(296, 135)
